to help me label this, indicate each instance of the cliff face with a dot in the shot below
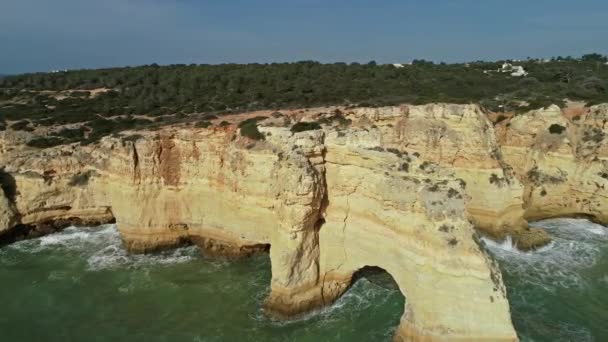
(561, 160)
(462, 139)
(397, 189)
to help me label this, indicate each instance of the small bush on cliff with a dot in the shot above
(22, 125)
(81, 179)
(556, 129)
(305, 126)
(209, 117)
(249, 128)
(203, 124)
(44, 142)
(71, 133)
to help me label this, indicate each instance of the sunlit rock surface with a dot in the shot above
(401, 188)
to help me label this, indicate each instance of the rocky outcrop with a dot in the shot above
(400, 188)
(562, 161)
(462, 139)
(327, 203)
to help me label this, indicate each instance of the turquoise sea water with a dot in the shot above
(80, 285)
(559, 293)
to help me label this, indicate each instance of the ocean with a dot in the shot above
(81, 285)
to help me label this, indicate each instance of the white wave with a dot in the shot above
(506, 245)
(576, 246)
(362, 295)
(102, 248)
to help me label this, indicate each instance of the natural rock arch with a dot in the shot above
(454, 290)
(327, 203)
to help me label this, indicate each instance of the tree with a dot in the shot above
(594, 57)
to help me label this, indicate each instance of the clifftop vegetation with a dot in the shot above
(106, 100)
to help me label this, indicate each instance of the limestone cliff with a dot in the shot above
(401, 188)
(461, 138)
(563, 162)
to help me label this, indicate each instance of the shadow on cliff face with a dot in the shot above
(377, 276)
(8, 185)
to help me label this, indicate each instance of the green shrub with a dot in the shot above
(224, 123)
(249, 128)
(556, 129)
(44, 142)
(81, 179)
(252, 132)
(305, 126)
(20, 125)
(71, 133)
(251, 120)
(203, 124)
(209, 117)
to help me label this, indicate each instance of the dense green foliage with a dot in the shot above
(249, 128)
(173, 93)
(203, 124)
(305, 126)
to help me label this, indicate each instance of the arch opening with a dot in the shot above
(376, 295)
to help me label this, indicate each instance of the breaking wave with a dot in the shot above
(559, 264)
(545, 286)
(102, 248)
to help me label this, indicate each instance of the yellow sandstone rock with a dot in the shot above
(401, 188)
(563, 162)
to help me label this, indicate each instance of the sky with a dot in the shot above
(44, 35)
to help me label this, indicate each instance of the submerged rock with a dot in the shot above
(531, 238)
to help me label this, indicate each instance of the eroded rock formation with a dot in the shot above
(401, 188)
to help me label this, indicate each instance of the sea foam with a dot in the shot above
(558, 264)
(102, 248)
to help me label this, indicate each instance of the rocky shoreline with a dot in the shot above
(403, 188)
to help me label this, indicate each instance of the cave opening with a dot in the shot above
(376, 275)
(377, 295)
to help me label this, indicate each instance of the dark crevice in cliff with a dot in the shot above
(321, 221)
(136, 170)
(8, 185)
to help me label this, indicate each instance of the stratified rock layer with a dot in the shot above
(398, 188)
(462, 139)
(562, 161)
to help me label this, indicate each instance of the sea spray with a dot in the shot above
(555, 292)
(102, 248)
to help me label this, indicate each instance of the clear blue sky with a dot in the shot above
(41, 35)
